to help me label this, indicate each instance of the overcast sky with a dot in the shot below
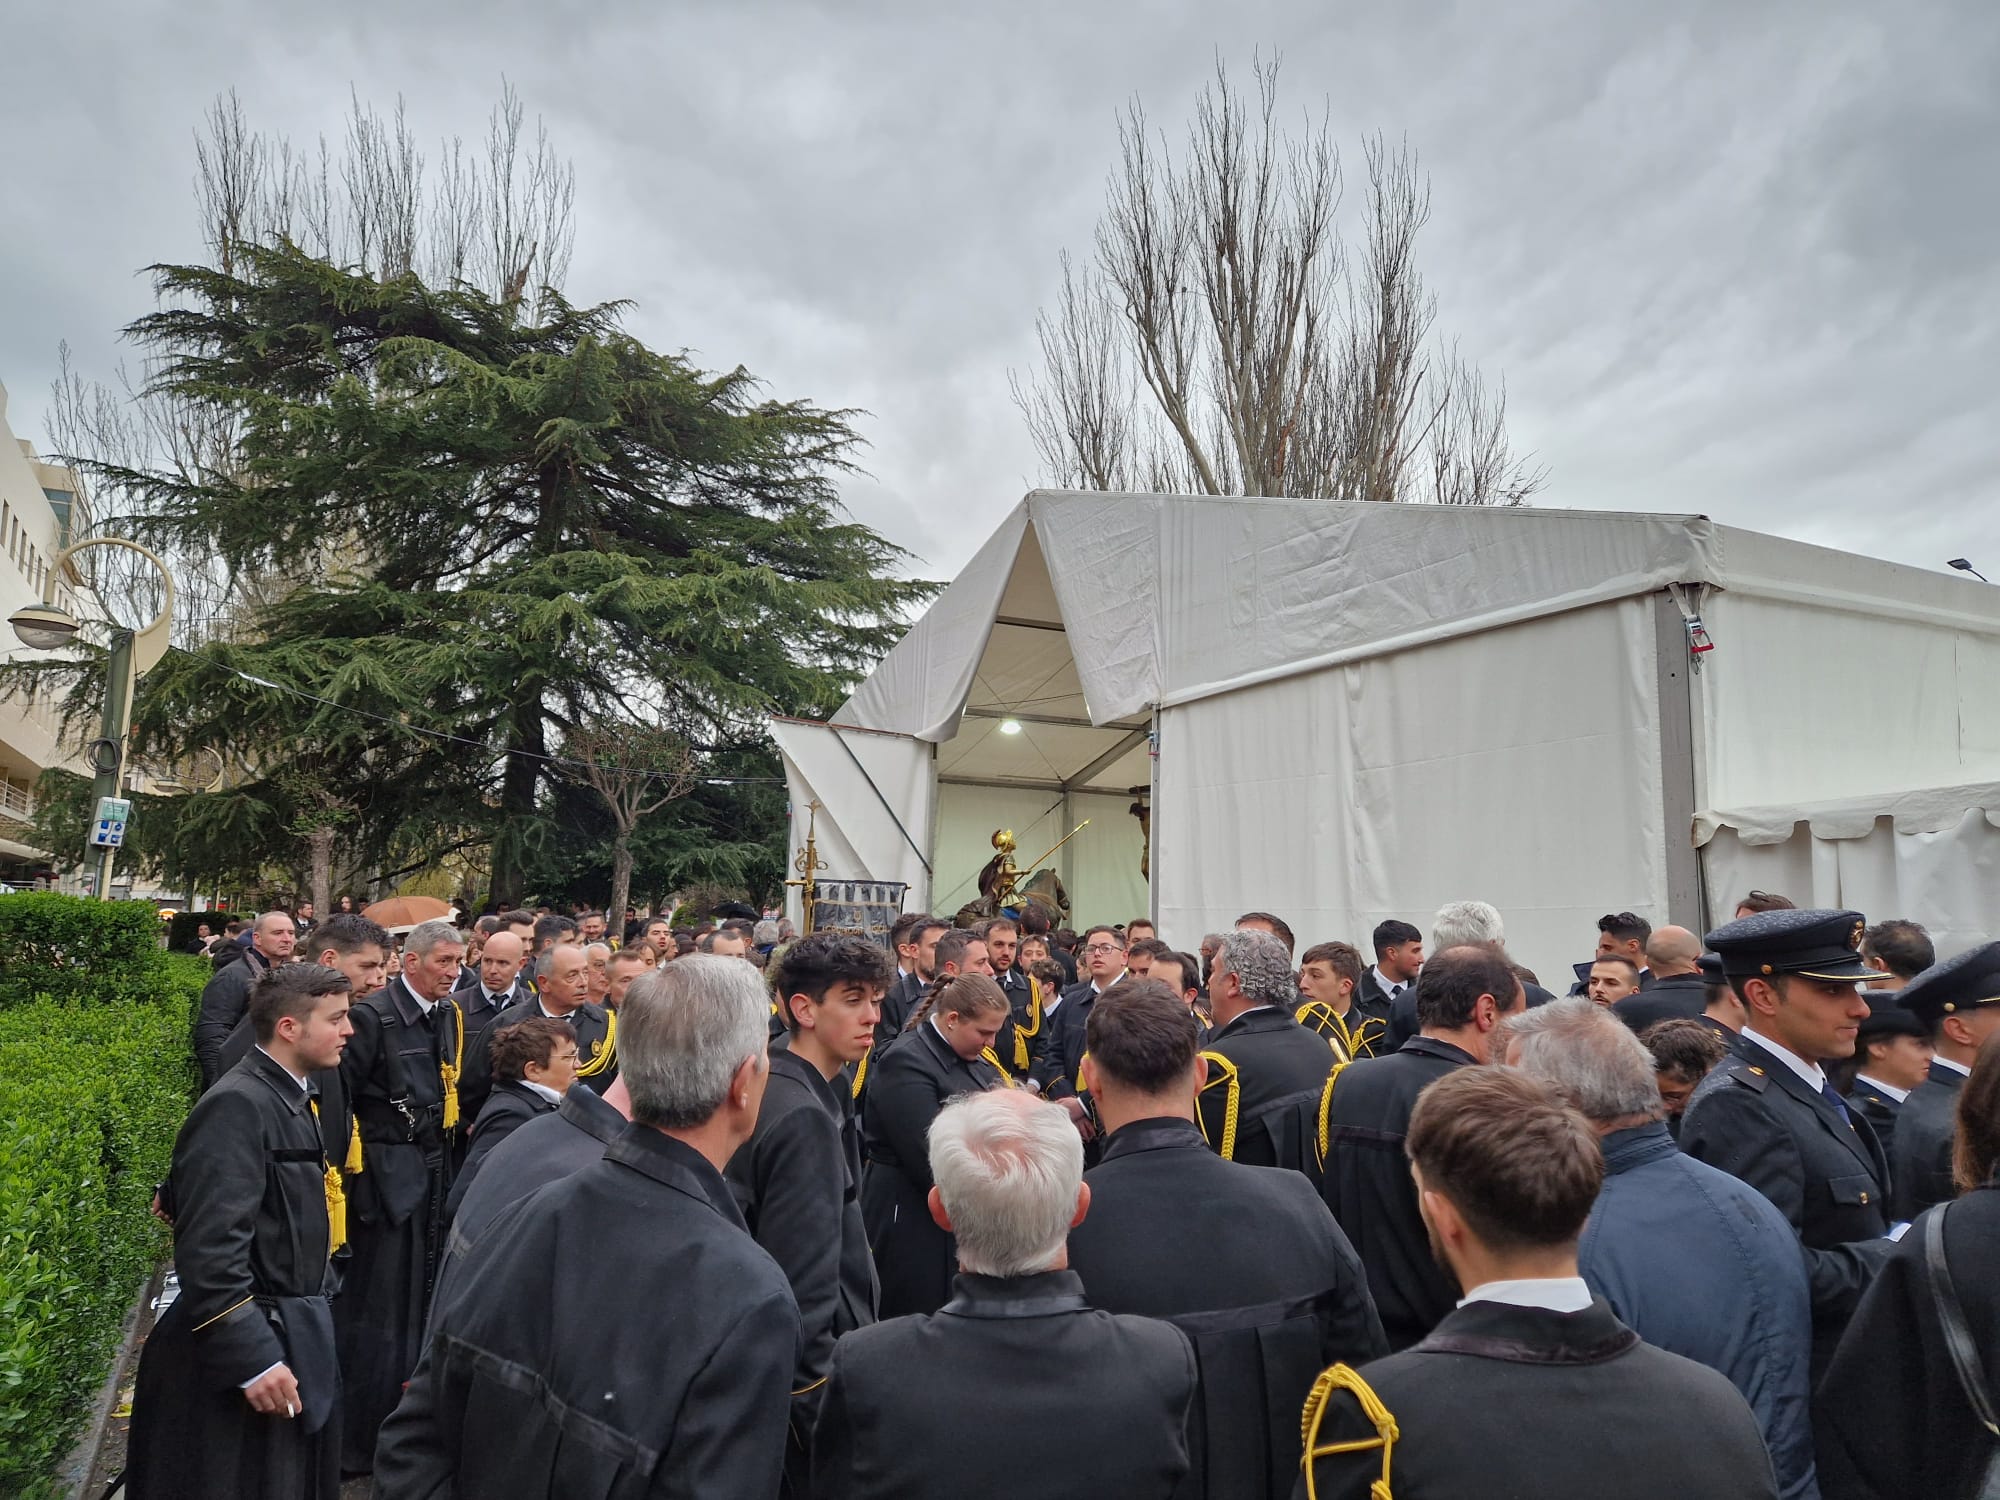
(1729, 258)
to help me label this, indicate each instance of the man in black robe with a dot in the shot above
(1099, 1399)
(401, 1071)
(798, 1179)
(1266, 1072)
(667, 1375)
(1246, 1260)
(1463, 995)
(1958, 1001)
(1531, 1386)
(562, 983)
(539, 1152)
(238, 1389)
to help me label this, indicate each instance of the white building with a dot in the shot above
(42, 509)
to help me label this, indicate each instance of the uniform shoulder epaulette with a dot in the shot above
(1347, 1378)
(1749, 1075)
(1326, 1111)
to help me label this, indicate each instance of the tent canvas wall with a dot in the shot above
(1365, 711)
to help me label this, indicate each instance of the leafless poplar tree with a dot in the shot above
(1223, 339)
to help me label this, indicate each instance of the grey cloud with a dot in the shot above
(1734, 259)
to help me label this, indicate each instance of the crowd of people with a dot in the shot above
(531, 1209)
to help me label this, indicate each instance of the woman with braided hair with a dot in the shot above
(945, 1051)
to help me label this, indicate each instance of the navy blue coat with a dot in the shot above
(1701, 1265)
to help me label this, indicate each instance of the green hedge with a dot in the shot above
(96, 1075)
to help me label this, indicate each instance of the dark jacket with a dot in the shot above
(1701, 1265)
(248, 1196)
(507, 1109)
(1015, 1045)
(481, 1011)
(1880, 1110)
(1099, 1401)
(1920, 1172)
(224, 999)
(535, 1384)
(1520, 1401)
(542, 1150)
(1891, 1415)
(1757, 1120)
(1403, 1023)
(1677, 997)
(1268, 1072)
(1249, 1263)
(907, 1087)
(797, 1181)
(1367, 1183)
(899, 1002)
(1060, 1054)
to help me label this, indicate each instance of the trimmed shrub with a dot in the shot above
(71, 948)
(95, 1080)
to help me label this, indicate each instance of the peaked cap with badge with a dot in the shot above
(1811, 944)
(1959, 984)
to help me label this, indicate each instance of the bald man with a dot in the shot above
(226, 998)
(1677, 991)
(497, 987)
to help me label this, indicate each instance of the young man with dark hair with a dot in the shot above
(798, 1178)
(1181, 973)
(1898, 950)
(238, 1390)
(916, 957)
(1140, 929)
(1531, 1386)
(1761, 901)
(1462, 996)
(1035, 923)
(1140, 953)
(1620, 934)
(1329, 976)
(1399, 958)
(1958, 1001)
(1611, 979)
(1768, 1114)
(1263, 1275)
(1015, 1046)
(1063, 1022)
(1263, 921)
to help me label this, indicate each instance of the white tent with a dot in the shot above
(1346, 712)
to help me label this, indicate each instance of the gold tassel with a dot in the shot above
(1021, 1036)
(352, 1166)
(336, 1211)
(600, 1061)
(861, 1076)
(448, 1074)
(1378, 1416)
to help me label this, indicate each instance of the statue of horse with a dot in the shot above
(1043, 889)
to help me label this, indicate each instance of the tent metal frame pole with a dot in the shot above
(1115, 753)
(1674, 691)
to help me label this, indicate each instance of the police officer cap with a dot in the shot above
(1956, 985)
(1710, 965)
(1887, 1016)
(1810, 944)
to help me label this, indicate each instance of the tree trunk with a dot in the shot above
(525, 749)
(320, 845)
(621, 883)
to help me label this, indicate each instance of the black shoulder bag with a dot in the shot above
(1964, 1353)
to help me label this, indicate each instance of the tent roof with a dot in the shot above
(1085, 609)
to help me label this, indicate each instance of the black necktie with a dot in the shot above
(1833, 1098)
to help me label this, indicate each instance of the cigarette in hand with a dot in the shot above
(289, 1410)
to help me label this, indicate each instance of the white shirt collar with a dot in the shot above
(1388, 986)
(1563, 1294)
(1899, 1095)
(1956, 1067)
(543, 1089)
(1812, 1073)
(1098, 989)
(304, 1087)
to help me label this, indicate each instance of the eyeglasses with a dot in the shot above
(1103, 948)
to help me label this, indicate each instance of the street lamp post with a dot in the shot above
(47, 626)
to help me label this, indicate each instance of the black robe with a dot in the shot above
(250, 1243)
(618, 1336)
(538, 1153)
(1084, 1403)
(1367, 1183)
(1921, 1167)
(507, 1109)
(395, 1218)
(1270, 1076)
(1892, 1421)
(590, 1021)
(1250, 1265)
(907, 1087)
(797, 1181)
(1514, 1402)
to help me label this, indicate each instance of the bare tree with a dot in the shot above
(1224, 340)
(635, 769)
